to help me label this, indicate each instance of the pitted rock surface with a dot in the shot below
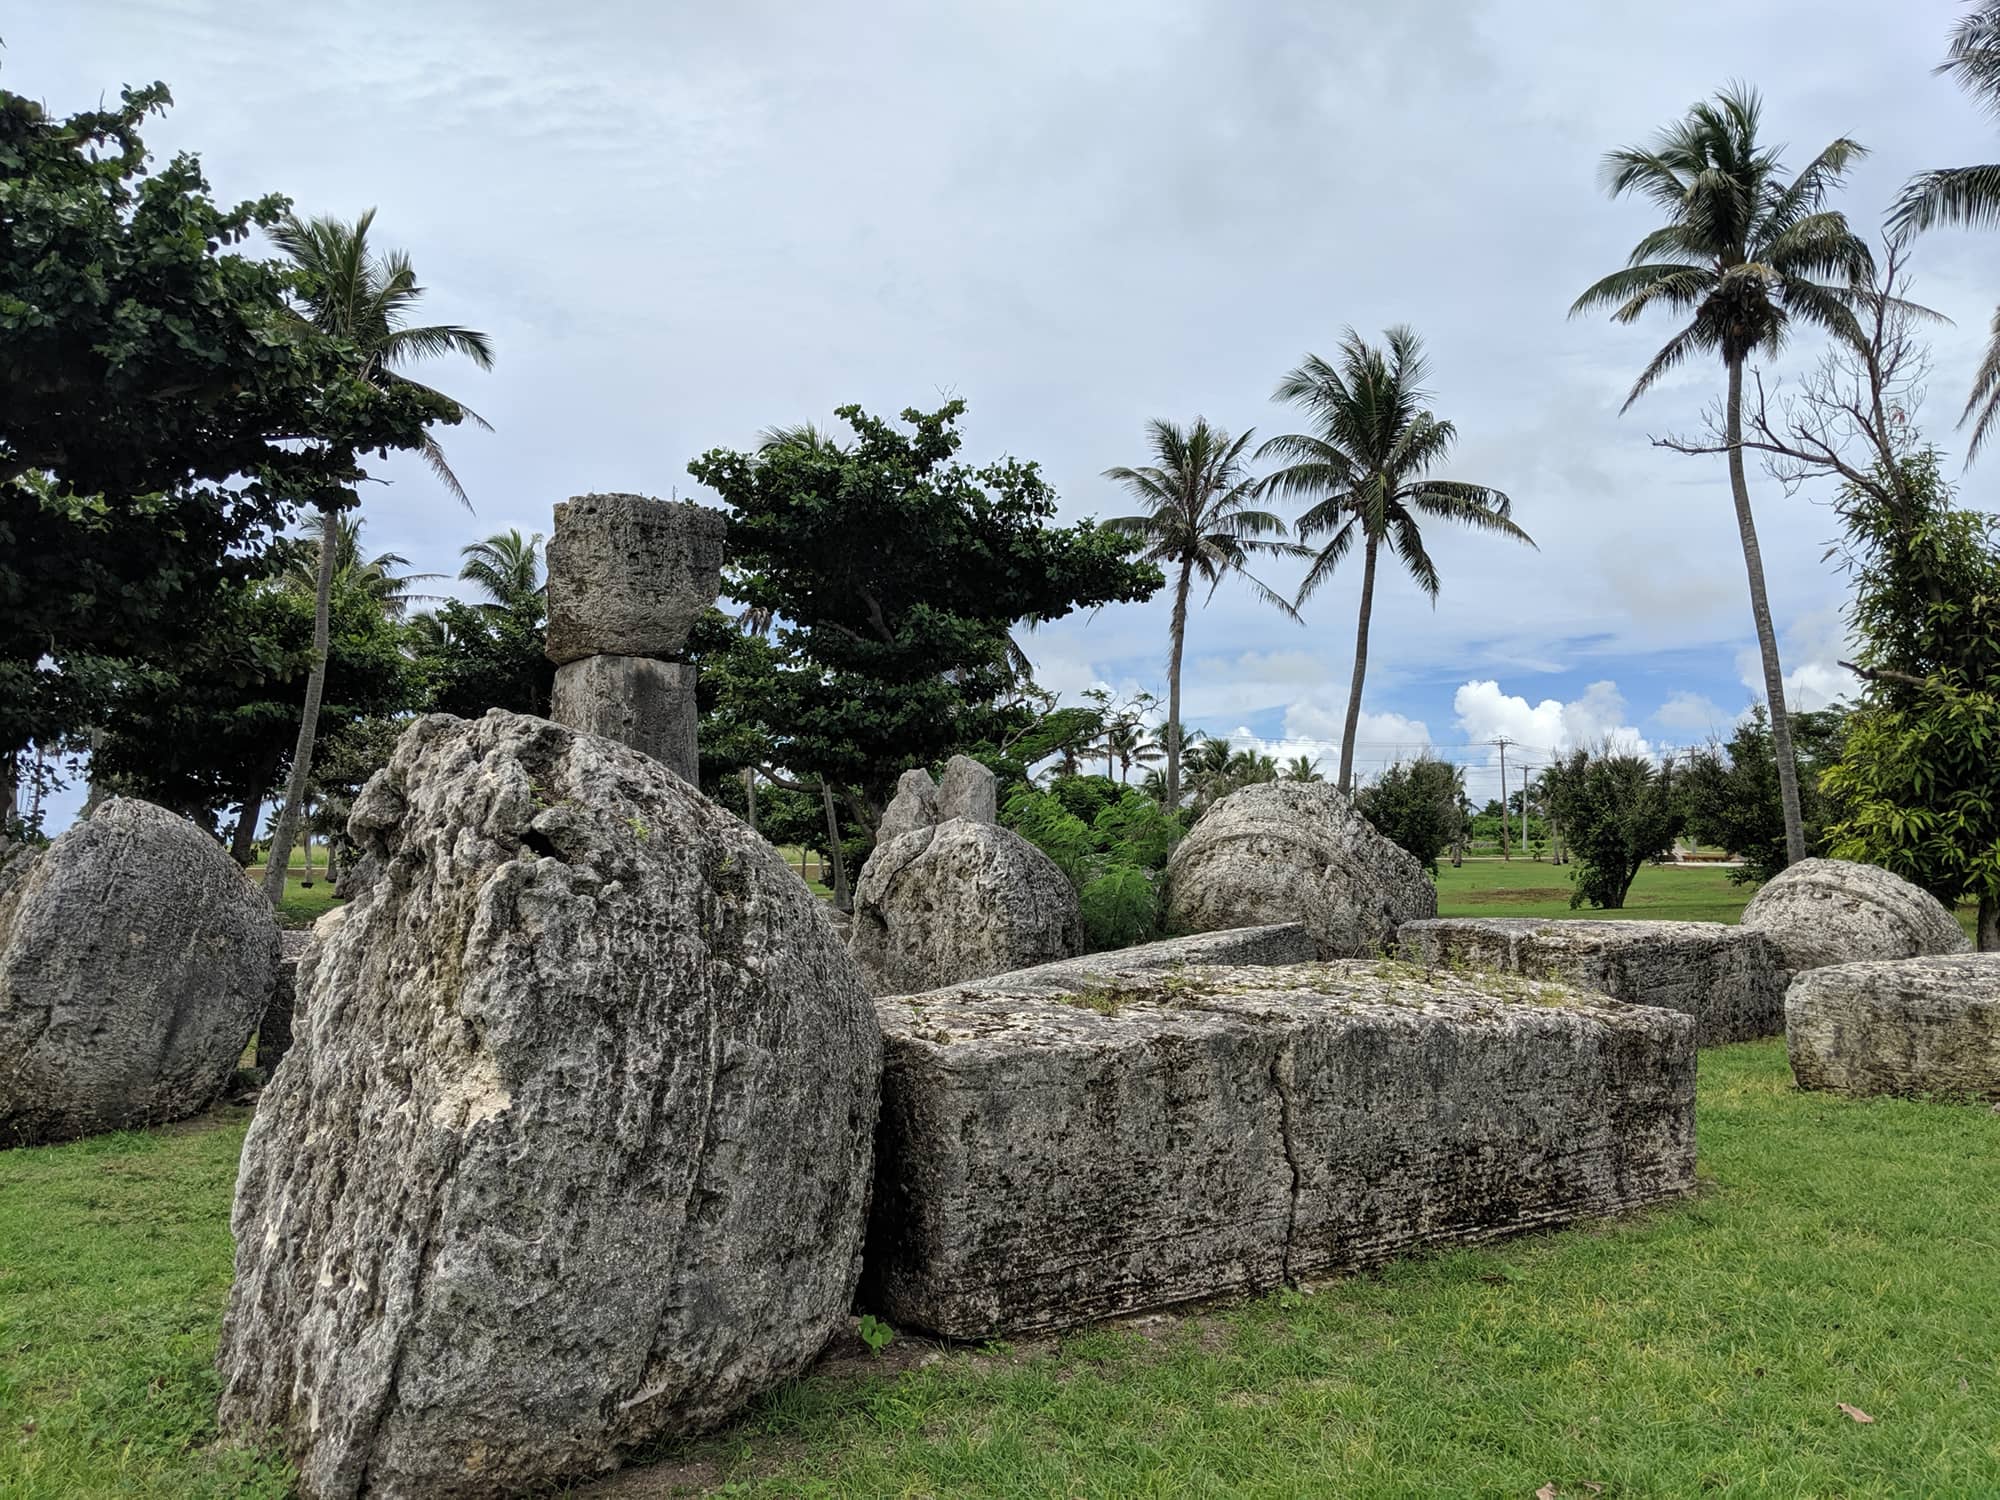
(135, 961)
(630, 575)
(968, 790)
(959, 901)
(572, 1147)
(1044, 1160)
(1288, 851)
(1730, 979)
(1909, 1027)
(913, 807)
(1835, 911)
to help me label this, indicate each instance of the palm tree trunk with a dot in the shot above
(842, 899)
(1989, 923)
(1360, 669)
(1767, 638)
(287, 831)
(1179, 629)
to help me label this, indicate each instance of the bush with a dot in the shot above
(1113, 858)
(1415, 804)
(1121, 907)
(1616, 812)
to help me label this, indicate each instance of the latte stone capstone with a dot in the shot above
(1839, 911)
(1047, 1159)
(1910, 1027)
(629, 576)
(1291, 851)
(1730, 979)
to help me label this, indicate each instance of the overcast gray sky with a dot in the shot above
(686, 222)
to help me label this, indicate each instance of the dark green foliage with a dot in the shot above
(1415, 804)
(154, 388)
(1616, 812)
(1114, 860)
(479, 656)
(881, 580)
(1121, 907)
(1732, 790)
(1915, 789)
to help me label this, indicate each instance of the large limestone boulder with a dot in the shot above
(135, 961)
(1289, 851)
(629, 575)
(967, 790)
(959, 901)
(1834, 911)
(1049, 1158)
(572, 1148)
(1730, 979)
(1912, 1026)
(913, 807)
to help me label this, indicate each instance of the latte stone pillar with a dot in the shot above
(628, 577)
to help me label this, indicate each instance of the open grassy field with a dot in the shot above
(1840, 1252)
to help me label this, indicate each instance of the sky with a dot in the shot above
(683, 223)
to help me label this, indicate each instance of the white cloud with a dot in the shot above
(1486, 713)
(1810, 651)
(1691, 713)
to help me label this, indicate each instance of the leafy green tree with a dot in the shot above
(1732, 790)
(1914, 787)
(1199, 523)
(1111, 841)
(879, 580)
(1968, 196)
(1617, 812)
(1746, 256)
(160, 410)
(365, 299)
(1365, 467)
(1415, 804)
(1303, 768)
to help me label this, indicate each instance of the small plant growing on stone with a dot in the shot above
(876, 1334)
(639, 829)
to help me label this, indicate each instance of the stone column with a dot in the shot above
(628, 577)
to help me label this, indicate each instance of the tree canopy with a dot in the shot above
(880, 579)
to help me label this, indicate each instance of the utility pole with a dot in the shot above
(1503, 742)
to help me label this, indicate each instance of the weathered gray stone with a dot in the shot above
(1730, 979)
(274, 1028)
(573, 1147)
(1912, 1026)
(629, 575)
(135, 961)
(913, 807)
(1043, 1161)
(956, 902)
(649, 705)
(968, 790)
(1290, 851)
(1285, 943)
(1834, 911)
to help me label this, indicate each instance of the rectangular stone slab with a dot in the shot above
(1730, 979)
(1278, 943)
(1913, 1027)
(1044, 1160)
(647, 704)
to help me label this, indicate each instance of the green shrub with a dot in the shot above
(1052, 828)
(1136, 830)
(1085, 796)
(1121, 907)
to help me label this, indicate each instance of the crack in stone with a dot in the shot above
(1282, 1084)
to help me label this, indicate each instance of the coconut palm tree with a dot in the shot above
(1745, 255)
(1198, 523)
(365, 298)
(1968, 196)
(1365, 467)
(506, 567)
(1303, 768)
(379, 577)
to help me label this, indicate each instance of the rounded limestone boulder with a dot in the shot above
(1290, 851)
(959, 901)
(1836, 911)
(573, 1145)
(135, 962)
(1911, 1027)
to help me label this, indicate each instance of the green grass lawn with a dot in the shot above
(1536, 888)
(1840, 1252)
